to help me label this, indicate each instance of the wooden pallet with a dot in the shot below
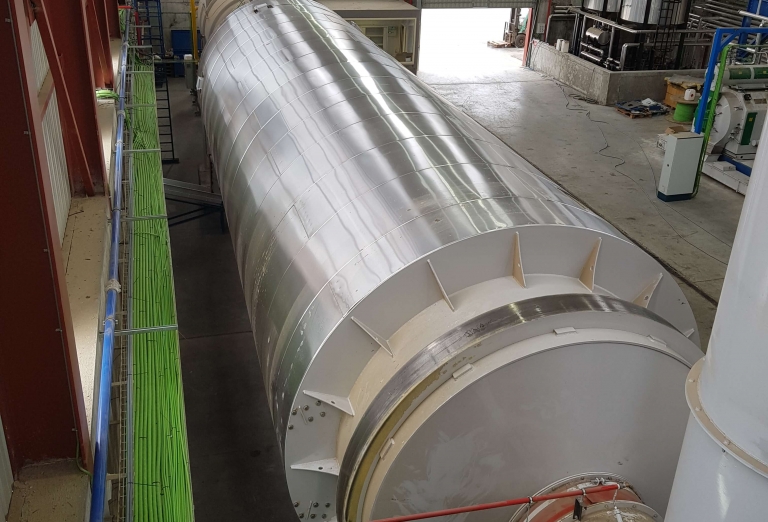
(499, 45)
(634, 114)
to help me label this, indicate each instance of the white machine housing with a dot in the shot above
(722, 475)
(739, 121)
(738, 124)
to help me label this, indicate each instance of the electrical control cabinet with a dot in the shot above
(681, 162)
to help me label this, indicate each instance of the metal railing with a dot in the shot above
(101, 417)
(648, 35)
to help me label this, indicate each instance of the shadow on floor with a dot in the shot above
(237, 470)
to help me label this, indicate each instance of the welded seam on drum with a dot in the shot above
(220, 46)
(277, 50)
(460, 136)
(537, 197)
(218, 58)
(241, 13)
(309, 29)
(205, 18)
(509, 196)
(217, 117)
(237, 11)
(337, 211)
(290, 104)
(282, 353)
(257, 29)
(288, 83)
(477, 152)
(293, 60)
(375, 52)
(326, 137)
(212, 74)
(450, 111)
(290, 79)
(263, 28)
(229, 65)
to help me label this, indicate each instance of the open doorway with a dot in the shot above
(454, 44)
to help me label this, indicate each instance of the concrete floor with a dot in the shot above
(237, 473)
(83, 256)
(606, 160)
(55, 491)
(236, 466)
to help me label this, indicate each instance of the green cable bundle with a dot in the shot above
(162, 489)
(106, 94)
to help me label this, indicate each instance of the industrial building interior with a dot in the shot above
(384, 260)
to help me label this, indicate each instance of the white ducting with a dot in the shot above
(723, 469)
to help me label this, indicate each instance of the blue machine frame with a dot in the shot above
(723, 37)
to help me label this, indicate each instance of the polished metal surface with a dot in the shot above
(582, 480)
(598, 35)
(675, 14)
(333, 159)
(597, 405)
(599, 509)
(432, 358)
(597, 5)
(404, 392)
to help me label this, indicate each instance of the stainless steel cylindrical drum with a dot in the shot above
(611, 6)
(659, 13)
(438, 324)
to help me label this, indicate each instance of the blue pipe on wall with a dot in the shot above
(98, 484)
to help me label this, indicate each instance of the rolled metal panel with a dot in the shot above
(373, 223)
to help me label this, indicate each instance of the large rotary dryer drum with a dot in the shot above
(437, 323)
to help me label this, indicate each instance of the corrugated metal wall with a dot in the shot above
(54, 142)
(38, 51)
(57, 163)
(6, 475)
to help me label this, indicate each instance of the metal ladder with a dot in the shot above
(151, 28)
(665, 38)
